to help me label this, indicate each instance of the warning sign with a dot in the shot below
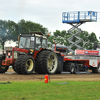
(93, 63)
(87, 52)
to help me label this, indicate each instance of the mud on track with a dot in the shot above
(10, 75)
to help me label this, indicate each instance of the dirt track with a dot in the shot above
(10, 75)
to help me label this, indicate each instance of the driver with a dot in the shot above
(32, 44)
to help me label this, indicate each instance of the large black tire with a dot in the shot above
(3, 69)
(40, 61)
(46, 62)
(60, 64)
(24, 64)
(58, 72)
(66, 67)
(69, 67)
(17, 66)
(96, 69)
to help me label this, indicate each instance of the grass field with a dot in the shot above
(55, 90)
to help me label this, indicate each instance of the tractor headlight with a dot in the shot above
(9, 54)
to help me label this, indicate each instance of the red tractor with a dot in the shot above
(31, 55)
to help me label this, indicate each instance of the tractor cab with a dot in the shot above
(33, 41)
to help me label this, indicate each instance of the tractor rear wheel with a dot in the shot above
(24, 64)
(47, 62)
(39, 62)
(3, 69)
(50, 62)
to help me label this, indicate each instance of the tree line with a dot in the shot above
(60, 37)
(9, 30)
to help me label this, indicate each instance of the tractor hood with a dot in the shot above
(20, 50)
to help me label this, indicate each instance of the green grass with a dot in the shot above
(35, 90)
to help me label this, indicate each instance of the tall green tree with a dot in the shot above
(7, 29)
(88, 40)
(60, 37)
(27, 26)
(12, 30)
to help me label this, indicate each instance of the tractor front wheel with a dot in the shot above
(27, 65)
(24, 64)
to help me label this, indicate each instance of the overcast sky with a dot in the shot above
(49, 12)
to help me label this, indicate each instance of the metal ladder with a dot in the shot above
(78, 31)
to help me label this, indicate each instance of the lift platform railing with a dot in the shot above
(79, 17)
